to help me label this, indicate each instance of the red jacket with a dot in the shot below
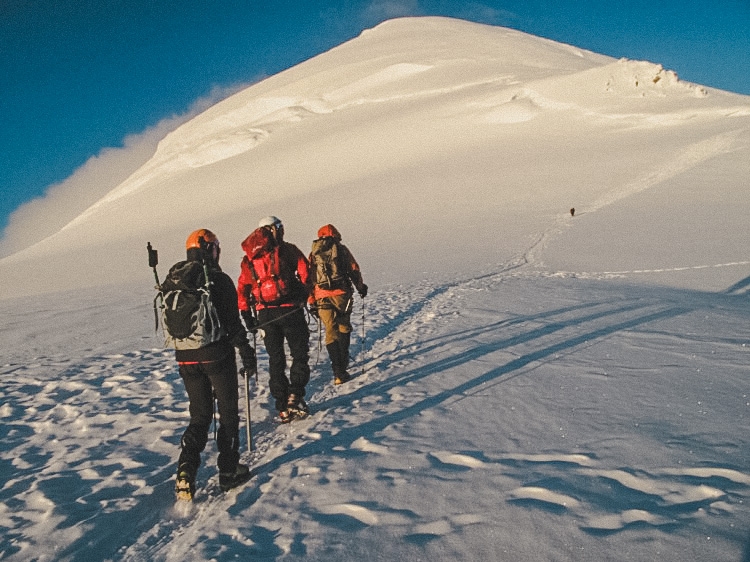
(258, 283)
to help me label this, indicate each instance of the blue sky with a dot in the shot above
(79, 76)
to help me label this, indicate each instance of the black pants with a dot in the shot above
(281, 324)
(202, 381)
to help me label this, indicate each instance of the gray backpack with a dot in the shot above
(188, 314)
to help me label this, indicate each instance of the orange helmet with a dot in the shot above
(194, 240)
(204, 238)
(329, 231)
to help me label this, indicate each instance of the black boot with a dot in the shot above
(344, 340)
(341, 378)
(229, 480)
(334, 353)
(339, 371)
(297, 407)
(193, 442)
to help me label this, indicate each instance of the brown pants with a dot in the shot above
(335, 317)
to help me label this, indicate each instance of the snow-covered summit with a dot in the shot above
(445, 119)
(405, 61)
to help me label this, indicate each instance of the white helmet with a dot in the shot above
(270, 221)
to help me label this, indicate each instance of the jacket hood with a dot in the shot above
(261, 240)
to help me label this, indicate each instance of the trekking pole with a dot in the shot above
(216, 424)
(248, 423)
(320, 340)
(256, 369)
(363, 335)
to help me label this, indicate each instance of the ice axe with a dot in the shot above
(153, 261)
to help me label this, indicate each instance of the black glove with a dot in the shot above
(363, 291)
(251, 322)
(313, 308)
(249, 361)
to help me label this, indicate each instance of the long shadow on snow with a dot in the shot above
(82, 503)
(348, 435)
(537, 333)
(391, 325)
(417, 306)
(442, 340)
(737, 287)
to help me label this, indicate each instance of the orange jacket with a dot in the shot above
(353, 272)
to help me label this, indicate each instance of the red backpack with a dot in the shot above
(271, 285)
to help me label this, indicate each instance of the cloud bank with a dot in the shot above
(62, 202)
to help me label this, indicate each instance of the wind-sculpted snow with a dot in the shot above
(478, 409)
(217, 136)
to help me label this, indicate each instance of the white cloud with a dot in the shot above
(62, 202)
(478, 12)
(380, 10)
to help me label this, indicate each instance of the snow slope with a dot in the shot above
(412, 110)
(532, 385)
